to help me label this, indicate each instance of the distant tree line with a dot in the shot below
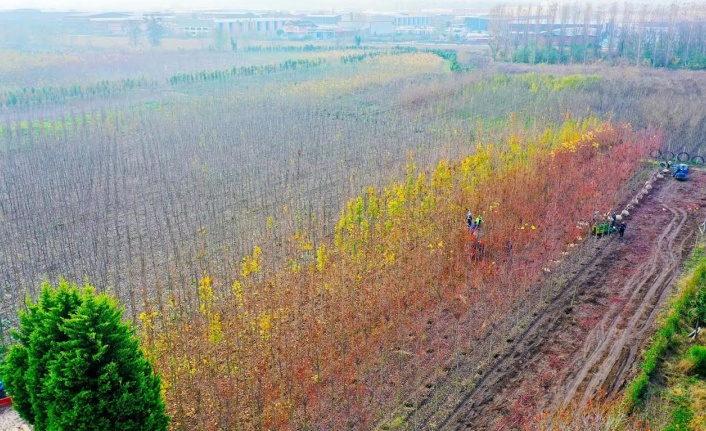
(305, 48)
(356, 58)
(450, 56)
(672, 36)
(23, 97)
(32, 96)
(288, 65)
(265, 69)
(55, 94)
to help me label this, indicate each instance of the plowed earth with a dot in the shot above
(588, 338)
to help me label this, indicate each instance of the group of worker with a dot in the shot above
(613, 223)
(473, 224)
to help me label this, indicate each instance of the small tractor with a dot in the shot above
(603, 228)
(680, 171)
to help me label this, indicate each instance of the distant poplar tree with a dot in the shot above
(220, 40)
(134, 33)
(78, 366)
(155, 31)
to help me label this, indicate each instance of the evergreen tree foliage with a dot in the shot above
(78, 366)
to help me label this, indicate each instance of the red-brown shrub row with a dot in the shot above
(346, 330)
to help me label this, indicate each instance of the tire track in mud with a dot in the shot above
(600, 357)
(517, 357)
(607, 366)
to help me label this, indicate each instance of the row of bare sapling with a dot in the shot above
(121, 195)
(144, 202)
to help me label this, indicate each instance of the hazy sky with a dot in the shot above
(101, 5)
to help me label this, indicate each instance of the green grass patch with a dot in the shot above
(396, 423)
(661, 340)
(154, 105)
(682, 414)
(697, 357)
(678, 358)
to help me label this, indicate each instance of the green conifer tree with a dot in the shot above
(26, 364)
(78, 366)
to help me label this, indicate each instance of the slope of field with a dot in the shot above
(587, 339)
(293, 245)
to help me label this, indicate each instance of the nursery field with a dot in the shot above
(586, 340)
(287, 230)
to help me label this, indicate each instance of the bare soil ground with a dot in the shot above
(590, 335)
(10, 421)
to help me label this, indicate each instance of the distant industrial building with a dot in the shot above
(412, 20)
(236, 25)
(239, 26)
(329, 32)
(415, 31)
(382, 28)
(369, 24)
(476, 23)
(298, 29)
(194, 27)
(106, 24)
(323, 19)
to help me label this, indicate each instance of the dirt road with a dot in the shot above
(10, 421)
(614, 343)
(590, 335)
